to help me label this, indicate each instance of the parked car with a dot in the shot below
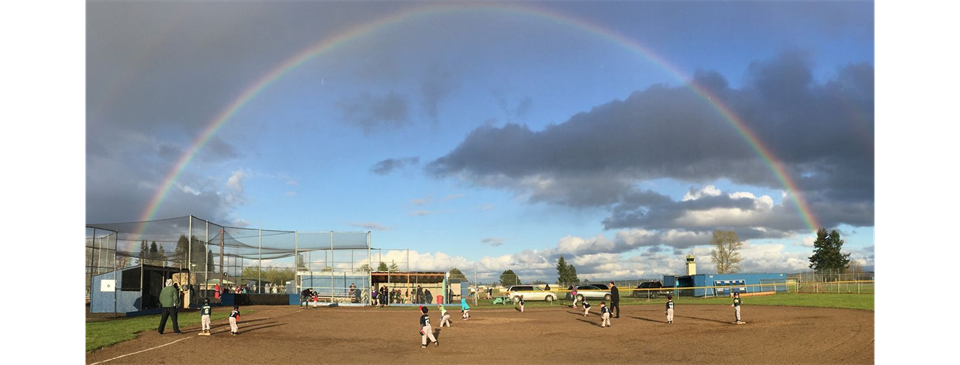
(530, 292)
(651, 289)
(592, 292)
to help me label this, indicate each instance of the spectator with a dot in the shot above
(428, 296)
(419, 295)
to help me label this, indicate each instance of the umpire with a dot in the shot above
(614, 299)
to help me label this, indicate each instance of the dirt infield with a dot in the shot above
(699, 334)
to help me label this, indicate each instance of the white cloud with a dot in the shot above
(290, 193)
(187, 189)
(727, 217)
(708, 190)
(235, 181)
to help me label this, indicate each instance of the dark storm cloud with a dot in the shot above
(117, 191)
(372, 113)
(389, 165)
(820, 133)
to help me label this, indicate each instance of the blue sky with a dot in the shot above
(511, 138)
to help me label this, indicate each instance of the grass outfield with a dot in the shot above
(845, 301)
(106, 333)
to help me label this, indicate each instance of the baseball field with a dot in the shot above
(541, 335)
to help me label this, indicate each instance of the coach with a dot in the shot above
(614, 299)
(169, 300)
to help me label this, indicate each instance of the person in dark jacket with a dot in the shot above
(169, 301)
(614, 299)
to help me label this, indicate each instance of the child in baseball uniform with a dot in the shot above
(669, 310)
(234, 318)
(426, 331)
(205, 318)
(464, 309)
(604, 315)
(574, 294)
(736, 306)
(586, 307)
(520, 302)
(444, 316)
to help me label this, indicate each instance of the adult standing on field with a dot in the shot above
(169, 301)
(614, 299)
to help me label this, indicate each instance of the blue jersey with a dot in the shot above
(205, 310)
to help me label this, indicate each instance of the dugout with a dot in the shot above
(133, 290)
(408, 281)
(721, 285)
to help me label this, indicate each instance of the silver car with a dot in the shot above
(530, 292)
(592, 292)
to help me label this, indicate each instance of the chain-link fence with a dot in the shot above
(832, 281)
(206, 259)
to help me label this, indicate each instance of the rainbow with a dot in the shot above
(328, 44)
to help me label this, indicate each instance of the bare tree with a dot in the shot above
(726, 253)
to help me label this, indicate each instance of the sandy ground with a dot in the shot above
(699, 334)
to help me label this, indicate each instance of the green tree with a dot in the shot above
(363, 268)
(144, 251)
(457, 274)
(181, 252)
(508, 277)
(826, 252)
(566, 274)
(152, 257)
(383, 266)
(393, 266)
(574, 280)
(725, 253)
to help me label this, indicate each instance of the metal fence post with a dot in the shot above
(259, 259)
(189, 249)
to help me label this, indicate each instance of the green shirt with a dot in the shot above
(205, 310)
(736, 302)
(169, 297)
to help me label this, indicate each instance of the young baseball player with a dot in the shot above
(426, 331)
(574, 294)
(464, 309)
(234, 318)
(669, 309)
(736, 306)
(205, 318)
(444, 316)
(604, 315)
(586, 307)
(520, 301)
